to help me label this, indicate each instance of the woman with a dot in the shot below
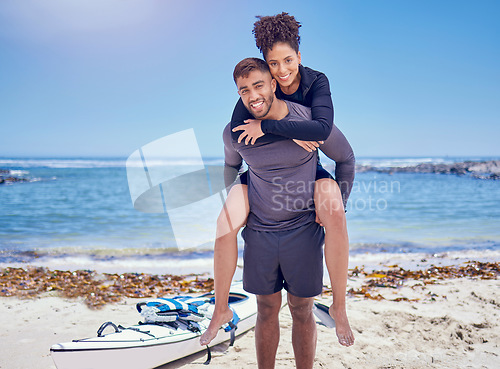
(278, 39)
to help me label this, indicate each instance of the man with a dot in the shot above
(283, 242)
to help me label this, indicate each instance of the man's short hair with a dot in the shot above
(247, 65)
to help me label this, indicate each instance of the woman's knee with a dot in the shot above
(328, 200)
(234, 211)
(224, 225)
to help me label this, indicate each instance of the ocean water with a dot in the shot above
(78, 213)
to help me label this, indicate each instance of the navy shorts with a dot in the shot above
(320, 174)
(290, 259)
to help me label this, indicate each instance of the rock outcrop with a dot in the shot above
(6, 177)
(479, 169)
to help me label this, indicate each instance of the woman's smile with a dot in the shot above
(285, 77)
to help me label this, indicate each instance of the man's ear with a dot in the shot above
(273, 84)
(300, 57)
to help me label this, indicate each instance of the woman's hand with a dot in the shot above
(309, 146)
(318, 220)
(251, 130)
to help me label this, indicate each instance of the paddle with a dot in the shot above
(322, 313)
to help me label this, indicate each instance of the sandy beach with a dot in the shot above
(442, 323)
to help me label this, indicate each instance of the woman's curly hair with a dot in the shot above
(278, 28)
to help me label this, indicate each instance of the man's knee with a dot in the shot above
(268, 306)
(301, 308)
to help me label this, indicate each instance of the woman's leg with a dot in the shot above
(330, 210)
(232, 217)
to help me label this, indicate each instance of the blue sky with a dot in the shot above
(104, 77)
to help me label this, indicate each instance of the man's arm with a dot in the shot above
(337, 148)
(232, 160)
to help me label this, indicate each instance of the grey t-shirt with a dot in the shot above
(281, 177)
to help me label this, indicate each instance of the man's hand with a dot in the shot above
(251, 130)
(309, 146)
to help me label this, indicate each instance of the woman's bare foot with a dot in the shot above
(217, 321)
(344, 332)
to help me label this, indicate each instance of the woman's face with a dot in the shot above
(284, 64)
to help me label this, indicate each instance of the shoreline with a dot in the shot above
(429, 319)
(201, 263)
(99, 289)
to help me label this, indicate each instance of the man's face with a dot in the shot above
(257, 92)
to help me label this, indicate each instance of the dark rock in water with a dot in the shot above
(14, 179)
(9, 178)
(477, 169)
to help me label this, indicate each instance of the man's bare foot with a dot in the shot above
(217, 321)
(344, 332)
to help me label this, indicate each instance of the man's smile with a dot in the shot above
(257, 105)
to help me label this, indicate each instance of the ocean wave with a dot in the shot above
(112, 261)
(100, 163)
(420, 260)
(62, 163)
(202, 263)
(380, 162)
(174, 162)
(399, 162)
(18, 172)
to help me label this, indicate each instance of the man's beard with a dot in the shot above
(264, 113)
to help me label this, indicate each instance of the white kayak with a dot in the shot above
(146, 346)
